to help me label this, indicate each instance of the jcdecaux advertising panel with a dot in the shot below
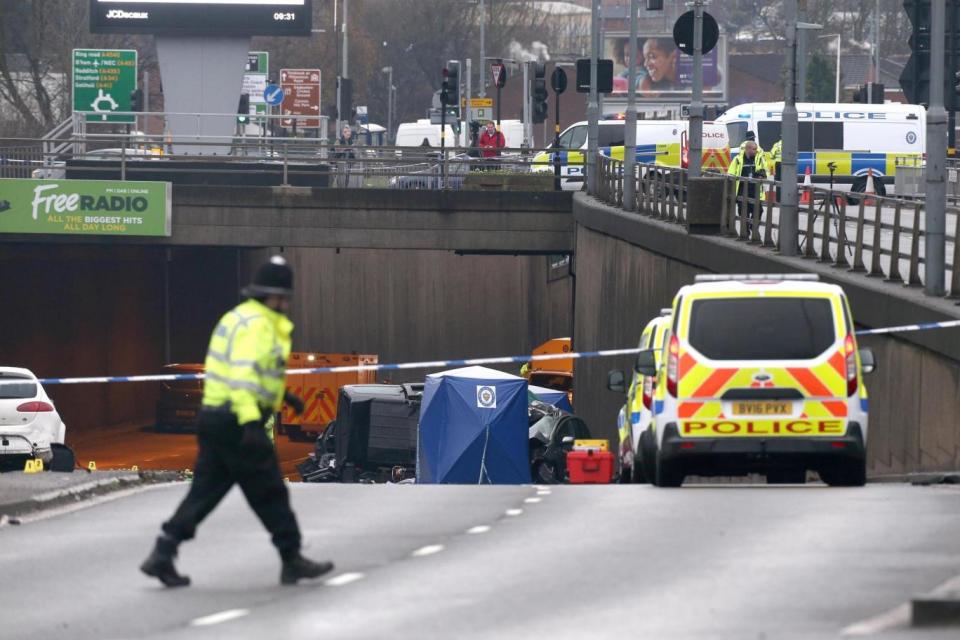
(207, 17)
(85, 207)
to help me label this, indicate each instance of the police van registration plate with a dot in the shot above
(764, 408)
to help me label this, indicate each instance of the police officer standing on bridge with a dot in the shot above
(244, 386)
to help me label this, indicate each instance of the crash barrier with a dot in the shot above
(877, 236)
(289, 161)
(443, 364)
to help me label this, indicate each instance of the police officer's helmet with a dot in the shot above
(751, 136)
(273, 278)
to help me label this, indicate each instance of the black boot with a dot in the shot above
(159, 564)
(297, 567)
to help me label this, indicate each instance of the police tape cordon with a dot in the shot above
(439, 364)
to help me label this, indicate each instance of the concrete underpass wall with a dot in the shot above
(627, 268)
(423, 305)
(78, 311)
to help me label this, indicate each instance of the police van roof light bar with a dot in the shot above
(753, 277)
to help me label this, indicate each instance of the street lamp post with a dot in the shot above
(389, 72)
(789, 214)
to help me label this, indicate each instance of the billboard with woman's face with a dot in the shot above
(663, 72)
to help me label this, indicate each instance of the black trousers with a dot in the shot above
(221, 462)
(746, 207)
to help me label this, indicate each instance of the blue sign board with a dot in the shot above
(273, 94)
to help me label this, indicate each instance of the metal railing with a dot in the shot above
(286, 160)
(877, 236)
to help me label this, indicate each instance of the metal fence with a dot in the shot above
(288, 161)
(879, 237)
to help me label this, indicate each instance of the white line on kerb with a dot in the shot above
(342, 579)
(482, 528)
(428, 550)
(217, 618)
(533, 500)
(513, 512)
(896, 617)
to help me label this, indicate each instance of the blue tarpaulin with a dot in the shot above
(473, 428)
(554, 397)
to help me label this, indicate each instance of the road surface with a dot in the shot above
(735, 561)
(124, 446)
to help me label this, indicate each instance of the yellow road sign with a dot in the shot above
(477, 103)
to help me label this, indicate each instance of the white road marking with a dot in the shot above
(428, 550)
(46, 514)
(544, 492)
(478, 529)
(514, 512)
(342, 579)
(217, 618)
(896, 617)
(533, 500)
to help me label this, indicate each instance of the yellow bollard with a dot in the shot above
(92, 465)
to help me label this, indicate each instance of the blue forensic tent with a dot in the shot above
(553, 397)
(473, 428)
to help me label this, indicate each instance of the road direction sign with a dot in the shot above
(255, 80)
(273, 94)
(683, 33)
(302, 89)
(102, 82)
(476, 103)
(499, 73)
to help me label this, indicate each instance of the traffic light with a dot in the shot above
(445, 88)
(453, 87)
(539, 93)
(346, 98)
(243, 109)
(915, 78)
(654, 5)
(136, 100)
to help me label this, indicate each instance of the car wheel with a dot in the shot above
(63, 459)
(668, 474)
(645, 461)
(787, 476)
(859, 185)
(849, 474)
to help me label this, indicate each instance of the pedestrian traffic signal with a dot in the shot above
(539, 93)
(243, 109)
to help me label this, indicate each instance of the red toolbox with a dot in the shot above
(590, 467)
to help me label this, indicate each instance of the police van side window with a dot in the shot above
(769, 131)
(611, 135)
(574, 138)
(736, 133)
(829, 136)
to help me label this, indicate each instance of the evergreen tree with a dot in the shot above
(821, 80)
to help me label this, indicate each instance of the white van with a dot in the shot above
(854, 138)
(662, 142)
(412, 134)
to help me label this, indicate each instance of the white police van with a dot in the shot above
(853, 138)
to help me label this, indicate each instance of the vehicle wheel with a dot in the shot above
(63, 459)
(860, 185)
(849, 474)
(645, 461)
(669, 474)
(787, 476)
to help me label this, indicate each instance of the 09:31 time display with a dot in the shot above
(285, 16)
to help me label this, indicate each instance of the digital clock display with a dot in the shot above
(202, 17)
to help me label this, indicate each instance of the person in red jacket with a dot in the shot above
(491, 141)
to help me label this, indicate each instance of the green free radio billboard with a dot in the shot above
(85, 207)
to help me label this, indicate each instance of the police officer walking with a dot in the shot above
(751, 162)
(244, 386)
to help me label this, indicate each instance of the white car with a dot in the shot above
(30, 427)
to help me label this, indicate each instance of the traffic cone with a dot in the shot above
(870, 189)
(807, 183)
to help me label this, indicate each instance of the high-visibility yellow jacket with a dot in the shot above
(736, 165)
(775, 157)
(246, 362)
